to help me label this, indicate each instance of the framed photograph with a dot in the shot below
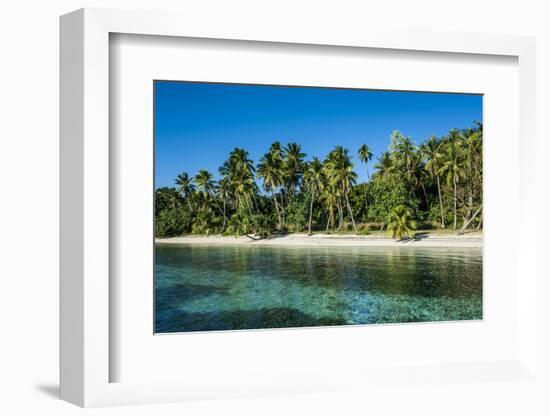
(255, 233)
(271, 211)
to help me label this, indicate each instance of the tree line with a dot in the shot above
(435, 184)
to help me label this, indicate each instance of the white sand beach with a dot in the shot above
(471, 240)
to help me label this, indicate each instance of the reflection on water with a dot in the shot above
(202, 287)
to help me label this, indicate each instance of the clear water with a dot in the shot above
(207, 287)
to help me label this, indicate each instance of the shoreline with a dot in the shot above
(301, 239)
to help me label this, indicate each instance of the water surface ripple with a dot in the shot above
(212, 287)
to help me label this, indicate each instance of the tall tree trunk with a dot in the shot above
(455, 201)
(366, 202)
(189, 204)
(310, 212)
(283, 214)
(217, 205)
(249, 205)
(340, 215)
(440, 202)
(277, 208)
(350, 213)
(329, 220)
(224, 215)
(255, 203)
(425, 195)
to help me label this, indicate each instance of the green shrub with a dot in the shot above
(173, 222)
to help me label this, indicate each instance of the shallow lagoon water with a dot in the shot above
(213, 287)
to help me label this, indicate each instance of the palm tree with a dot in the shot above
(269, 169)
(277, 152)
(206, 186)
(473, 158)
(406, 158)
(452, 167)
(385, 165)
(313, 178)
(432, 151)
(340, 174)
(224, 194)
(365, 155)
(400, 223)
(293, 166)
(185, 187)
(239, 171)
(205, 183)
(329, 198)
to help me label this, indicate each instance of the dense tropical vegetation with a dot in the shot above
(435, 184)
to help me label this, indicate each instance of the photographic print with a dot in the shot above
(290, 206)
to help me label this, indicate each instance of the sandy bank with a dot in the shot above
(429, 240)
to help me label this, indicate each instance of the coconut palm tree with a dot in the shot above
(277, 152)
(365, 155)
(240, 171)
(224, 194)
(185, 187)
(293, 166)
(473, 158)
(406, 160)
(205, 183)
(313, 178)
(431, 149)
(452, 167)
(340, 174)
(207, 187)
(269, 169)
(400, 223)
(329, 198)
(385, 166)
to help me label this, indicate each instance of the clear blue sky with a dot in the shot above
(198, 124)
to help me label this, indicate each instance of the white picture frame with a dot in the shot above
(85, 211)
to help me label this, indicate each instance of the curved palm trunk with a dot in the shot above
(255, 203)
(249, 206)
(425, 194)
(455, 201)
(211, 197)
(277, 208)
(440, 202)
(224, 215)
(350, 213)
(310, 212)
(330, 215)
(466, 224)
(283, 210)
(340, 215)
(366, 202)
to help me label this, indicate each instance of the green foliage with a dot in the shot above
(385, 196)
(173, 222)
(264, 225)
(166, 198)
(439, 181)
(297, 213)
(400, 223)
(204, 223)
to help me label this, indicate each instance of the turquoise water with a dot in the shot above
(203, 287)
